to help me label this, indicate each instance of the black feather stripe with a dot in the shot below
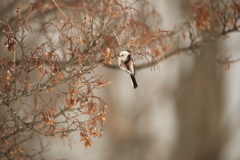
(134, 82)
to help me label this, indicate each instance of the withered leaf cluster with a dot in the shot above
(52, 49)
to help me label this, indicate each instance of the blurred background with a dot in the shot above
(187, 110)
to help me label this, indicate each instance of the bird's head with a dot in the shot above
(123, 55)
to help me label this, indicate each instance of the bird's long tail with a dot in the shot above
(134, 82)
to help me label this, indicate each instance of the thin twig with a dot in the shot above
(64, 15)
(119, 43)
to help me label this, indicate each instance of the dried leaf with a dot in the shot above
(236, 7)
(9, 44)
(88, 141)
(48, 55)
(81, 57)
(52, 110)
(9, 77)
(159, 52)
(59, 78)
(108, 58)
(80, 40)
(71, 102)
(103, 84)
(79, 83)
(5, 141)
(202, 15)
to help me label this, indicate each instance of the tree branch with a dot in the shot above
(192, 47)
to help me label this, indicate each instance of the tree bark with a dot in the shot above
(199, 110)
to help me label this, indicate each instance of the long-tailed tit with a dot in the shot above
(126, 63)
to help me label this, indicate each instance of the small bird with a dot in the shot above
(126, 63)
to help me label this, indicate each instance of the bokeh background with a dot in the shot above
(187, 110)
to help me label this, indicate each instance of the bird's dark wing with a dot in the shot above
(130, 66)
